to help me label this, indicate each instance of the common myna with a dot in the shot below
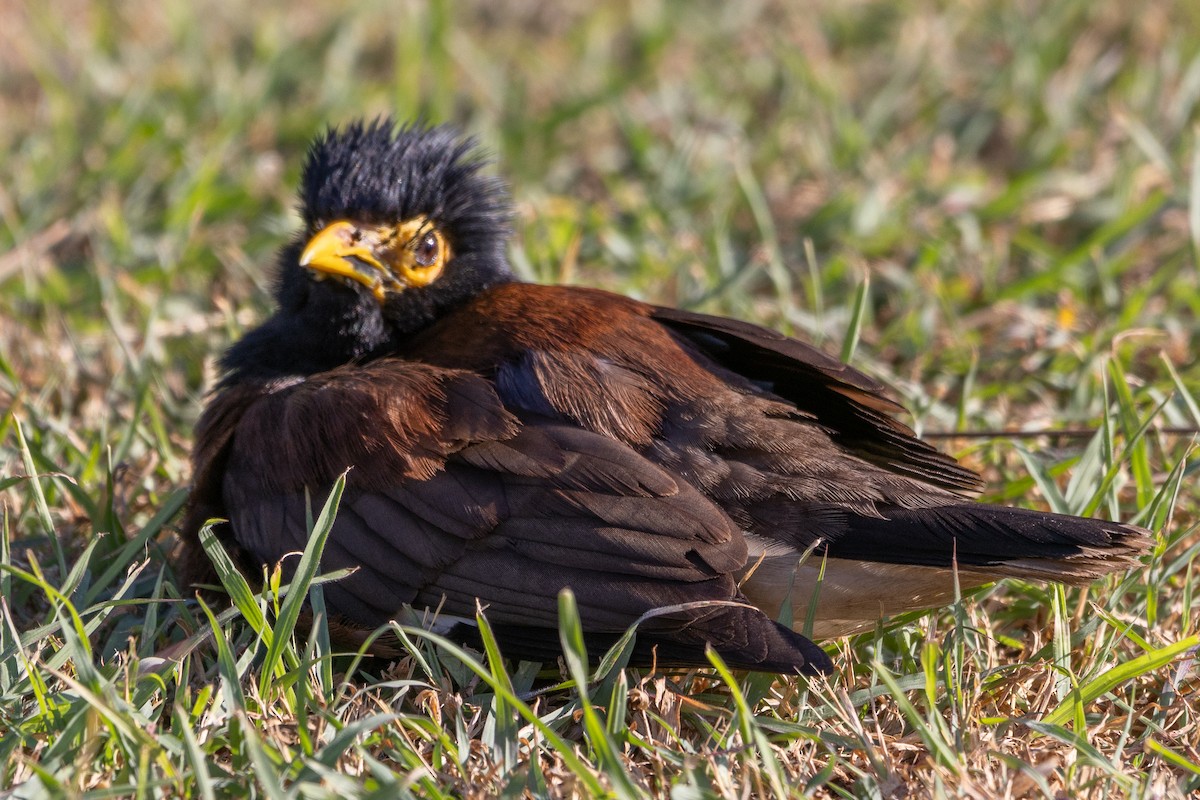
(506, 440)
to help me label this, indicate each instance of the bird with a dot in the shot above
(704, 477)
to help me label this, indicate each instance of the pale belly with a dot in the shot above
(851, 596)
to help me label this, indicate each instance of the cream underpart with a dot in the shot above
(853, 595)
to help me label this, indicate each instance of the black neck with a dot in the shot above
(313, 338)
(320, 326)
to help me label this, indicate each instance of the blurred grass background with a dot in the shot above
(1012, 191)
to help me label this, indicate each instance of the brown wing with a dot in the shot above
(796, 447)
(852, 407)
(452, 500)
(787, 471)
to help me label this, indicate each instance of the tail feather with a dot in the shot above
(1005, 542)
(913, 559)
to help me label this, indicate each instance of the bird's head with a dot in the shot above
(402, 214)
(400, 224)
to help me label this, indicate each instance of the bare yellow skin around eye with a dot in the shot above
(410, 251)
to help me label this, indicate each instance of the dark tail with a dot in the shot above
(1009, 542)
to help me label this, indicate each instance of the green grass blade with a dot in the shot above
(570, 632)
(235, 584)
(1116, 676)
(293, 602)
(198, 777)
(858, 314)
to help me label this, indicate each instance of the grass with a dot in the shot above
(995, 207)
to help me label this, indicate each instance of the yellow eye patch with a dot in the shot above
(419, 251)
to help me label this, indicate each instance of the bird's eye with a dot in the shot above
(420, 253)
(428, 250)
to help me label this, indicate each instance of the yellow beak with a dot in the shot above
(335, 250)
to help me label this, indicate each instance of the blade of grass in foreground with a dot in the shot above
(306, 571)
(554, 742)
(39, 496)
(1173, 757)
(227, 667)
(857, 314)
(570, 632)
(503, 727)
(932, 730)
(752, 734)
(1111, 679)
(264, 768)
(235, 584)
(193, 757)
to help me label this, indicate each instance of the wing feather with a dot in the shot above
(452, 500)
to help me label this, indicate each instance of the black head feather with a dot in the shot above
(379, 172)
